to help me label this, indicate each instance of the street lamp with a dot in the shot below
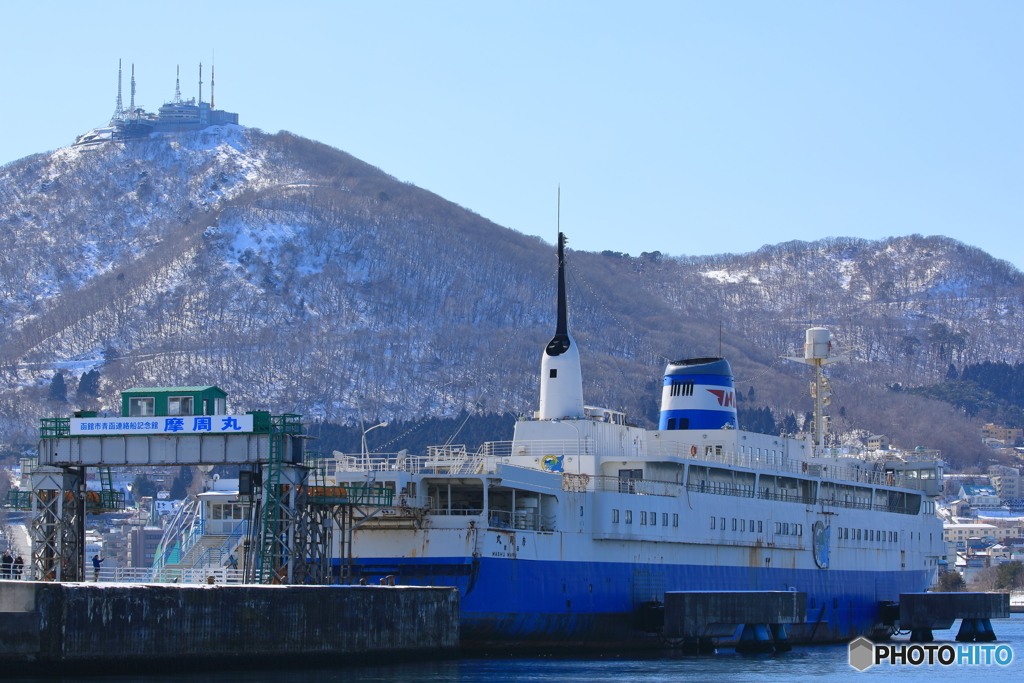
(366, 458)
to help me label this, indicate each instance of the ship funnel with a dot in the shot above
(561, 382)
(698, 394)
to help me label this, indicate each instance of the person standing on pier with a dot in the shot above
(19, 565)
(96, 562)
(5, 564)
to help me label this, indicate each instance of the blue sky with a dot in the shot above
(682, 127)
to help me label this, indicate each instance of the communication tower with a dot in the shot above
(119, 109)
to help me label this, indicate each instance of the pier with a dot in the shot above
(922, 613)
(699, 616)
(118, 629)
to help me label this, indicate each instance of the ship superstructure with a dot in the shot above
(568, 532)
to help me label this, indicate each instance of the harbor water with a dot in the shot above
(817, 664)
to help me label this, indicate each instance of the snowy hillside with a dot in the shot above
(299, 278)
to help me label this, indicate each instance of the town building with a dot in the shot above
(1007, 436)
(1006, 481)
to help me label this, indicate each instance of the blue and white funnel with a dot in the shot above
(698, 394)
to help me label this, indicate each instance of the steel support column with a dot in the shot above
(58, 523)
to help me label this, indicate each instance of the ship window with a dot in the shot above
(654, 519)
(615, 516)
(553, 373)
(743, 525)
(629, 516)
(140, 407)
(713, 520)
(723, 523)
(643, 517)
(664, 519)
(718, 450)
(734, 524)
(675, 519)
(672, 423)
(751, 526)
(758, 526)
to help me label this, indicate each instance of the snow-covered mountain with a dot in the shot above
(301, 279)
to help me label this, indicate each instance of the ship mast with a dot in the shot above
(817, 354)
(561, 381)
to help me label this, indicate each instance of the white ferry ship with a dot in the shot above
(565, 534)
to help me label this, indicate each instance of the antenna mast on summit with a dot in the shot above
(132, 106)
(120, 105)
(200, 82)
(177, 87)
(213, 65)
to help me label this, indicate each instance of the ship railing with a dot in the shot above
(450, 459)
(456, 510)
(725, 489)
(796, 467)
(371, 462)
(539, 448)
(639, 487)
(743, 492)
(725, 456)
(786, 497)
(197, 575)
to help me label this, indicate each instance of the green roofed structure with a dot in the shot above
(173, 401)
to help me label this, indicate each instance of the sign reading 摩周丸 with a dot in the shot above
(184, 424)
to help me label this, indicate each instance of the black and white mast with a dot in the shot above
(561, 382)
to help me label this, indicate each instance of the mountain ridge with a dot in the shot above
(302, 279)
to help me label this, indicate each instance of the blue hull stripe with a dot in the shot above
(509, 602)
(700, 419)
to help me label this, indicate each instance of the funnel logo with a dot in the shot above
(726, 399)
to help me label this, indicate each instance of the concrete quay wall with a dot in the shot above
(127, 628)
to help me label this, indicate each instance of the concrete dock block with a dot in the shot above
(701, 614)
(85, 627)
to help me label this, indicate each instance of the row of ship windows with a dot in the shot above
(737, 525)
(757, 526)
(647, 518)
(869, 535)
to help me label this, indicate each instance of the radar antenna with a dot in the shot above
(817, 353)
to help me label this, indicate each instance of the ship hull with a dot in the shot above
(509, 603)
